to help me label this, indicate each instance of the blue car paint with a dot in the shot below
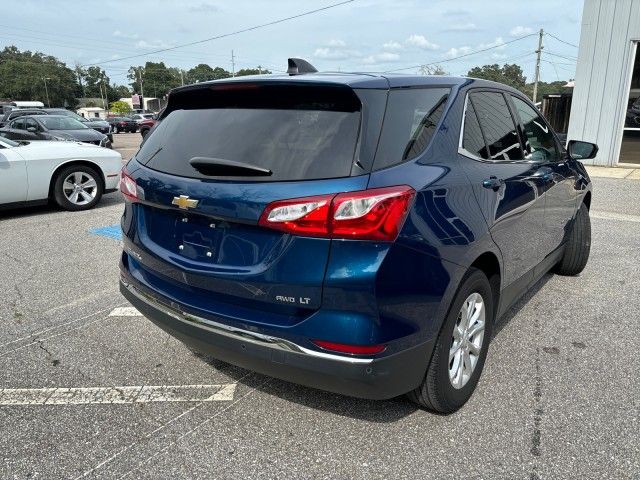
(396, 294)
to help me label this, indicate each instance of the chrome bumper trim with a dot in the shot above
(240, 334)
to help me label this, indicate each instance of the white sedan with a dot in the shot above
(73, 174)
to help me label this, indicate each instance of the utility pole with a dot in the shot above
(539, 52)
(141, 89)
(181, 77)
(233, 64)
(104, 99)
(46, 90)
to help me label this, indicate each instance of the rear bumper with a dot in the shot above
(373, 378)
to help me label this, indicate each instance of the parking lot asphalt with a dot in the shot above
(112, 396)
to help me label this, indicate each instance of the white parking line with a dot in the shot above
(117, 395)
(624, 217)
(125, 312)
(37, 334)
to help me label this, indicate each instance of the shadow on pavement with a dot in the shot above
(367, 410)
(515, 309)
(108, 200)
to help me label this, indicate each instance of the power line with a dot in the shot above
(217, 37)
(89, 42)
(560, 66)
(573, 59)
(462, 56)
(562, 41)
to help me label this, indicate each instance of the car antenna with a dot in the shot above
(298, 66)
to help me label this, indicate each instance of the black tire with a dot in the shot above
(85, 173)
(144, 132)
(437, 392)
(118, 130)
(578, 246)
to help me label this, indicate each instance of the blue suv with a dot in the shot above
(351, 232)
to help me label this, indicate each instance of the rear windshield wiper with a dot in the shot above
(220, 167)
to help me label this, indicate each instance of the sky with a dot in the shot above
(362, 35)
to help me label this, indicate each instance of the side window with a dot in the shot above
(497, 125)
(472, 139)
(409, 124)
(30, 122)
(18, 124)
(540, 144)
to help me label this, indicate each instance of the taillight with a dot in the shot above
(128, 186)
(376, 214)
(351, 349)
(307, 216)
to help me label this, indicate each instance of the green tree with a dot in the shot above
(545, 88)
(509, 74)
(96, 82)
(120, 107)
(120, 91)
(157, 79)
(204, 73)
(23, 76)
(251, 71)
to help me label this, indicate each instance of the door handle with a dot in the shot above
(494, 183)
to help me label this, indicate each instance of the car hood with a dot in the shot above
(97, 123)
(55, 145)
(53, 148)
(84, 135)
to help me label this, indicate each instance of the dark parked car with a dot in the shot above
(52, 127)
(19, 112)
(122, 124)
(97, 124)
(354, 233)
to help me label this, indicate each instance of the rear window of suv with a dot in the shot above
(297, 134)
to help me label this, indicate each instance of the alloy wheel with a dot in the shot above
(80, 188)
(466, 344)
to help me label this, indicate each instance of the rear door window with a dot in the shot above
(410, 123)
(30, 122)
(472, 138)
(497, 125)
(297, 135)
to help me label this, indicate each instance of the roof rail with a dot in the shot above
(298, 66)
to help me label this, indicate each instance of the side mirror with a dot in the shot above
(582, 150)
(32, 129)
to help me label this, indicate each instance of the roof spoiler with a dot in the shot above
(298, 66)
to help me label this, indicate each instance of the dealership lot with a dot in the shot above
(90, 389)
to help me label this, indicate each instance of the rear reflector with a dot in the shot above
(376, 214)
(352, 349)
(128, 186)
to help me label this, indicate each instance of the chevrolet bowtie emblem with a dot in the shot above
(184, 202)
